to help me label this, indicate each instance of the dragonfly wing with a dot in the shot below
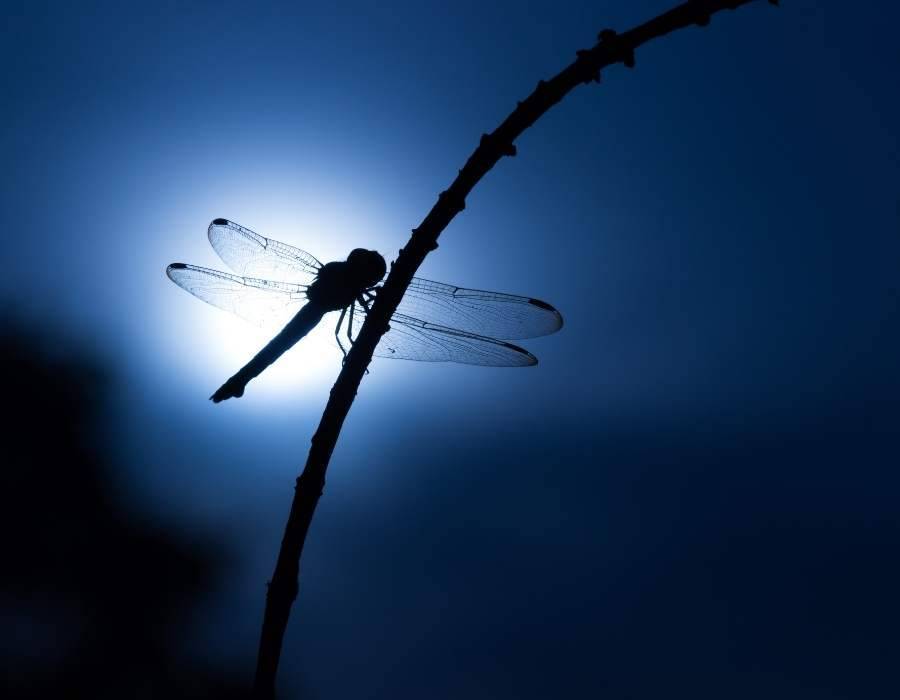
(252, 255)
(489, 314)
(262, 302)
(414, 339)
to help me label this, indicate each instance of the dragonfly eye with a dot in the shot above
(368, 264)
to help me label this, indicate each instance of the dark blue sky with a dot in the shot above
(694, 493)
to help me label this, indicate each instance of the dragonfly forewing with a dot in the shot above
(252, 255)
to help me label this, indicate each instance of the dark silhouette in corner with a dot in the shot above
(91, 599)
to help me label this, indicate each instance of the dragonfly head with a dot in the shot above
(368, 266)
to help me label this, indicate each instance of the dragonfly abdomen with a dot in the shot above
(303, 322)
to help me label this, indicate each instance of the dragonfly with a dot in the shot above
(274, 283)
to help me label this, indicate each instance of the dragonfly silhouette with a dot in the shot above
(435, 322)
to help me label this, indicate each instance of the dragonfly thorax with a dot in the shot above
(338, 284)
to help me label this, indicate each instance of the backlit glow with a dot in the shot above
(210, 345)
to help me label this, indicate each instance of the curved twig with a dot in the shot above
(611, 48)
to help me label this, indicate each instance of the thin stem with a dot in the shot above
(610, 49)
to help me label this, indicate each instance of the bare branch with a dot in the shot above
(611, 48)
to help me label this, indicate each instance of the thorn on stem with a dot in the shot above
(617, 48)
(591, 74)
(452, 200)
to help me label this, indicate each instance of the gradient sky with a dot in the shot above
(693, 494)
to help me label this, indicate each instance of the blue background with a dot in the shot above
(694, 493)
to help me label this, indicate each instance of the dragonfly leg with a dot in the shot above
(337, 332)
(350, 324)
(365, 305)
